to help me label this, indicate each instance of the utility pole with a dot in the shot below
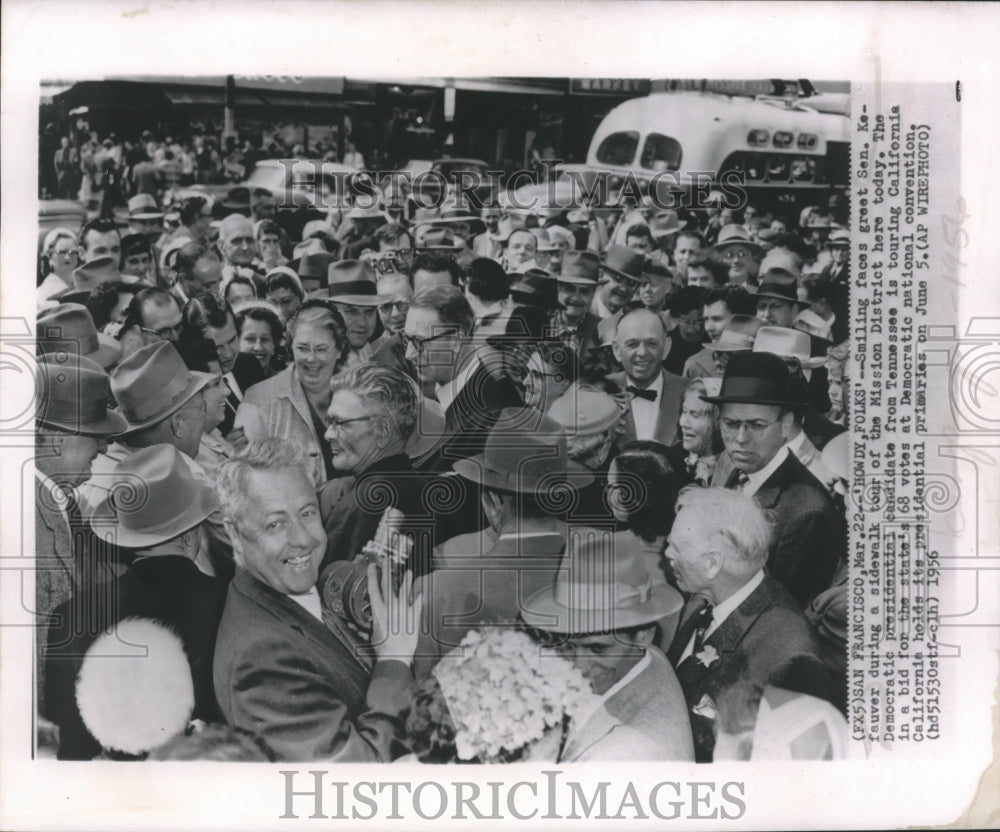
(229, 115)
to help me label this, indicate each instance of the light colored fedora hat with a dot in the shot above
(154, 498)
(602, 585)
(152, 383)
(525, 452)
(736, 235)
(738, 334)
(786, 342)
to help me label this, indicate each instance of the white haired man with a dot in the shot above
(308, 691)
(737, 616)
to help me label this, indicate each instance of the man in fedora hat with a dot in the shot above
(601, 613)
(89, 276)
(621, 274)
(740, 253)
(163, 403)
(758, 401)
(438, 335)
(313, 269)
(284, 671)
(654, 393)
(523, 465)
(719, 305)
(69, 328)
(72, 424)
(164, 530)
(736, 336)
(354, 292)
(738, 619)
(575, 325)
(145, 217)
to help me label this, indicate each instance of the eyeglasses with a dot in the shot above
(402, 305)
(337, 425)
(65, 252)
(418, 343)
(538, 374)
(754, 427)
(164, 332)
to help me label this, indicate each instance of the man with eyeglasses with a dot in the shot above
(160, 317)
(740, 253)
(438, 342)
(758, 403)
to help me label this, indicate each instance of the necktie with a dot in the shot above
(649, 395)
(694, 621)
(737, 480)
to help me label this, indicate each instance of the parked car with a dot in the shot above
(447, 175)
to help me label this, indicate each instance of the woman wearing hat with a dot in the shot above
(292, 405)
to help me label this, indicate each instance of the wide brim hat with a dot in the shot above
(525, 452)
(733, 235)
(99, 270)
(780, 284)
(839, 237)
(585, 412)
(580, 267)
(316, 264)
(738, 335)
(757, 378)
(536, 287)
(624, 263)
(665, 223)
(603, 585)
(72, 395)
(144, 207)
(353, 282)
(68, 327)
(786, 342)
(155, 498)
(154, 383)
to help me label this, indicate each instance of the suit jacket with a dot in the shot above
(283, 676)
(169, 589)
(700, 365)
(652, 705)
(669, 401)
(470, 590)
(391, 352)
(680, 351)
(586, 336)
(247, 372)
(278, 407)
(469, 419)
(351, 508)
(808, 535)
(762, 640)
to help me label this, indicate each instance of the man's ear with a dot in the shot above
(615, 350)
(177, 425)
(713, 563)
(787, 419)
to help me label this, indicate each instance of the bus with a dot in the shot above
(779, 149)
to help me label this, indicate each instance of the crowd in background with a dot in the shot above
(502, 379)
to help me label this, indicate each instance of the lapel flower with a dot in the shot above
(708, 655)
(705, 707)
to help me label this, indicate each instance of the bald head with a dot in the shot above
(641, 345)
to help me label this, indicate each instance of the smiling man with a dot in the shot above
(655, 394)
(308, 691)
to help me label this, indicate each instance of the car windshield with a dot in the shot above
(452, 167)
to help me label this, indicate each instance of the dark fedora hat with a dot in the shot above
(757, 378)
(316, 265)
(623, 262)
(353, 282)
(537, 288)
(580, 267)
(781, 284)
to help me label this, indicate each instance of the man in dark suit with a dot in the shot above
(757, 400)
(285, 669)
(525, 456)
(655, 394)
(471, 391)
(738, 622)
(162, 582)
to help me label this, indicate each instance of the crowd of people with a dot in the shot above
(620, 430)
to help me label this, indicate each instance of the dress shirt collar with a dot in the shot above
(723, 610)
(757, 479)
(309, 601)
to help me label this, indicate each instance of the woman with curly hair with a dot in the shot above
(292, 405)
